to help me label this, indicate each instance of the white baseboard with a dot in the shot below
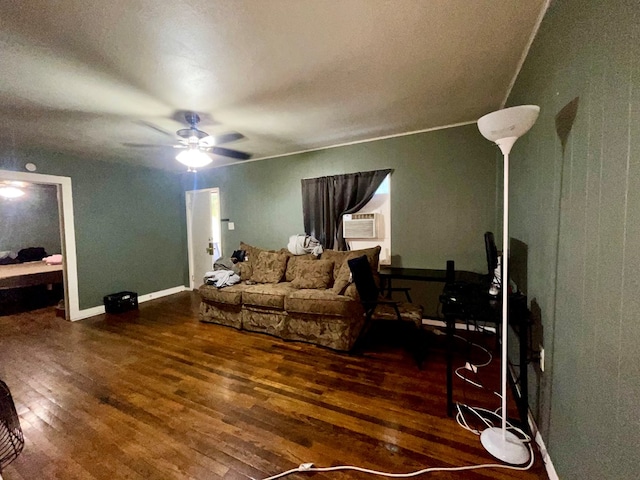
(161, 293)
(92, 312)
(548, 464)
(87, 312)
(533, 427)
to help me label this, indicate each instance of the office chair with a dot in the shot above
(379, 308)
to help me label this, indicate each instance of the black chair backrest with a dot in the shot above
(492, 253)
(363, 278)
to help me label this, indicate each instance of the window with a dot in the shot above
(381, 204)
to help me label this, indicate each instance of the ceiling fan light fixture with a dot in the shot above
(194, 158)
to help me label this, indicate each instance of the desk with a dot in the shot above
(449, 275)
(485, 308)
(468, 303)
(492, 310)
(426, 275)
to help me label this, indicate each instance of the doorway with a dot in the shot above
(204, 232)
(67, 231)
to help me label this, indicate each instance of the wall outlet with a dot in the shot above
(232, 226)
(541, 358)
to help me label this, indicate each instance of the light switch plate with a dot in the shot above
(232, 226)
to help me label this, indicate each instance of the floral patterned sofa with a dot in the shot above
(292, 297)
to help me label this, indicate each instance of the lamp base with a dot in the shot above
(508, 449)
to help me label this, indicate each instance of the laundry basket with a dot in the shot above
(11, 438)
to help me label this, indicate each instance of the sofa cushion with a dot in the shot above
(263, 320)
(339, 333)
(252, 252)
(269, 267)
(341, 270)
(231, 295)
(352, 292)
(338, 257)
(267, 295)
(292, 265)
(341, 280)
(313, 274)
(325, 302)
(245, 270)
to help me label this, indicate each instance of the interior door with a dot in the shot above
(203, 231)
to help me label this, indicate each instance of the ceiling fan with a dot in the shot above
(195, 145)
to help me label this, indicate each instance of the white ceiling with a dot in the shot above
(86, 76)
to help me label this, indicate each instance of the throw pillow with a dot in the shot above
(313, 274)
(293, 262)
(269, 267)
(342, 273)
(341, 281)
(245, 270)
(336, 257)
(339, 257)
(252, 252)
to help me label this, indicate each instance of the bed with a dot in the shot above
(29, 274)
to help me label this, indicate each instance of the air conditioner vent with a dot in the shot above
(360, 225)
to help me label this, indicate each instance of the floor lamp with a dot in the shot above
(504, 127)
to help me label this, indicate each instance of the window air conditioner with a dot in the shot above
(360, 225)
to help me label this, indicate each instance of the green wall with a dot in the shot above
(579, 213)
(129, 223)
(31, 220)
(442, 194)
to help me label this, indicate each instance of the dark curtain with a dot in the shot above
(326, 199)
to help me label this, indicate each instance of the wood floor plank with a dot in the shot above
(155, 394)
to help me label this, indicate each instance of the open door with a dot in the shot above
(67, 232)
(203, 232)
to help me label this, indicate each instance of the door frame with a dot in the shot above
(67, 233)
(188, 196)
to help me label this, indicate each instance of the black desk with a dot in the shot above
(420, 274)
(519, 320)
(426, 275)
(488, 309)
(449, 275)
(471, 303)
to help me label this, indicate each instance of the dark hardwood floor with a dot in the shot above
(157, 395)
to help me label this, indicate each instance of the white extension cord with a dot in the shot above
(479, 412)
(308, 467)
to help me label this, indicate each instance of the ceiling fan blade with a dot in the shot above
(146, 145)
(226, 152)
(227, 138)
(156, 128)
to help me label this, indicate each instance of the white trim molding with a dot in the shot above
(162, 293)
(68, 233)
(548, 464)
(93, 311)
(354, 142)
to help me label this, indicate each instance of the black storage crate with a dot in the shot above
(121, 302)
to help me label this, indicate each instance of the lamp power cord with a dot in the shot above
(484, 415)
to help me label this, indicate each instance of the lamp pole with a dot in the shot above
(504, 127)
